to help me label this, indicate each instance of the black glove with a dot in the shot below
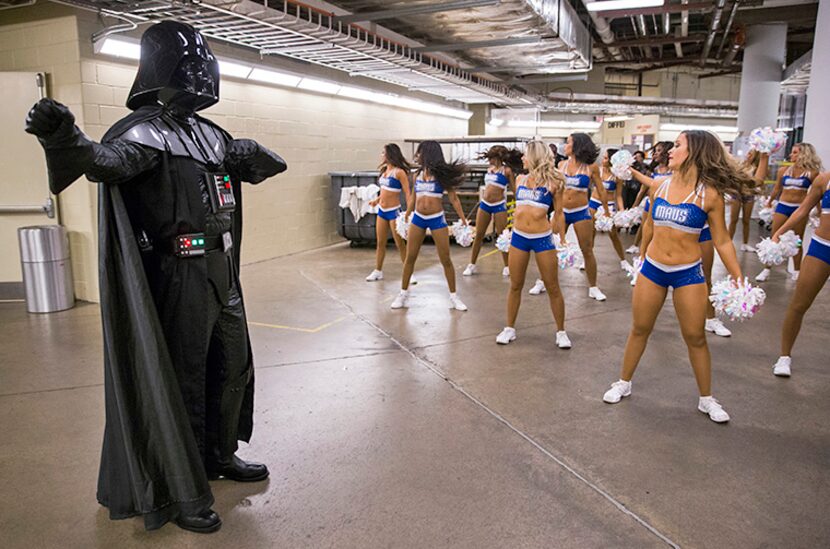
(50, 121)
(249, 161)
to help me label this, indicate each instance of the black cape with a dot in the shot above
(150, 463)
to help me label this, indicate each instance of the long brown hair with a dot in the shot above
(542, 166)
(430, 157)
(394, 158)
(711, 165)
(512, 158)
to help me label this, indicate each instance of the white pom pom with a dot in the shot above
(503, 241)
(789, 243)
(603, 223)
(628, 218)
(766, 140)
(769, 252)
(621, 163)
(736, 302)
(637, 264)
(462, 233)
(569, 255)
(402, 225)
(765, 214)
(815, 220)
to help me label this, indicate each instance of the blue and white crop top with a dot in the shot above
(497, 179)
(580, 181)
(538, 197)
(429, 187)
(610, 184)
(801, 183)
(655, 173)
(686, 216)
(390, 183)
(825, 201)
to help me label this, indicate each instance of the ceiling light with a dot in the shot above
(234, 70)
(496, 122)
(586, 125)
(682, 127)
(320, 86)
(274, 77)
(118, 48)
(618, 118)
(606, 5)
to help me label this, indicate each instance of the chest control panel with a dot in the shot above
(220, 189)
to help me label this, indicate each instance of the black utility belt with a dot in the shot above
(194, 244)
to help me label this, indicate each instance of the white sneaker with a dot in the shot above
(506, 336)
(401, 301)
(456, 303)
(618, 390)
(562, 340)
(762, 276)
(595, 293)
(470, 270)
(581, 266)
(375, 275)
(747, 248)
(782, 367)
(626, 266)
(633, 249)
(715, 326)
(795, 275)
(538, 288)
(634, 279)
(505, 271)
(708, 405)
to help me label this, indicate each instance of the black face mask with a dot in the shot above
(177, 69)
(191, 86)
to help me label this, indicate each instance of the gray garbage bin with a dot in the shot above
(47, 270)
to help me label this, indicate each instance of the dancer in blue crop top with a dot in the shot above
(536, 194)
(790, 189)
(580, 173)
(815, 269)
(681, 207)
(614, 203)
(756, 164)
(394, 189)
(434, 177)
(500, 177)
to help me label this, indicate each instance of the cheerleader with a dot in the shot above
(703, 173)
(536, 192)
(815, 267)
(434, 177)
(791, 187)
(613, 204)
(394, 179)
(580, 173)
(756, 165)
(500, 176)
(658, 169)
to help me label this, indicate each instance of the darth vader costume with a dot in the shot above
(178, 364)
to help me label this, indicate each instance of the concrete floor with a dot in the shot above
(414, 429)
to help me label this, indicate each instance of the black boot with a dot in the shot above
(205, 522)
(238, 470)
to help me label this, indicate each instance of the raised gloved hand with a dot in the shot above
(50, 120)
(249, 161)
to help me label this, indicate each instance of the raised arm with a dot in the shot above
(71, 154)
(813, 197)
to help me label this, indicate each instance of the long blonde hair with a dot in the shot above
(542, 165)
(808, 158)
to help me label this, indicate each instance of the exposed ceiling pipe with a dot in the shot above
(641, 21)
(728, 27)
(737, 44)
(684, 20)
(604, 30)
(667, 24)
(713, 28)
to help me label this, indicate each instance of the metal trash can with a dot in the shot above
(47, 270)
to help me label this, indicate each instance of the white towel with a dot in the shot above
(357, 199)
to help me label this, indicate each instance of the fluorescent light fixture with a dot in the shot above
(496, 122)
(783, 129)
(619, 118)
(682, 127)
(274, 77)
(118, 48)
(607, 5)
(555, 124)
(234, 70)
(319, 86)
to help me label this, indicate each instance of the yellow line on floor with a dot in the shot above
(488, 254)
(319, 328)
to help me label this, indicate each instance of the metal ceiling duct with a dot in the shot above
(563, 45)
(616, 104)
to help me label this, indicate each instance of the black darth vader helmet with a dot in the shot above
(176, 68)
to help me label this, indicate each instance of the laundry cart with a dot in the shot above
(361, 231)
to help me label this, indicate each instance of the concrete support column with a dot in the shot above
(816, 130)
(763, 65)
(478, 122)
